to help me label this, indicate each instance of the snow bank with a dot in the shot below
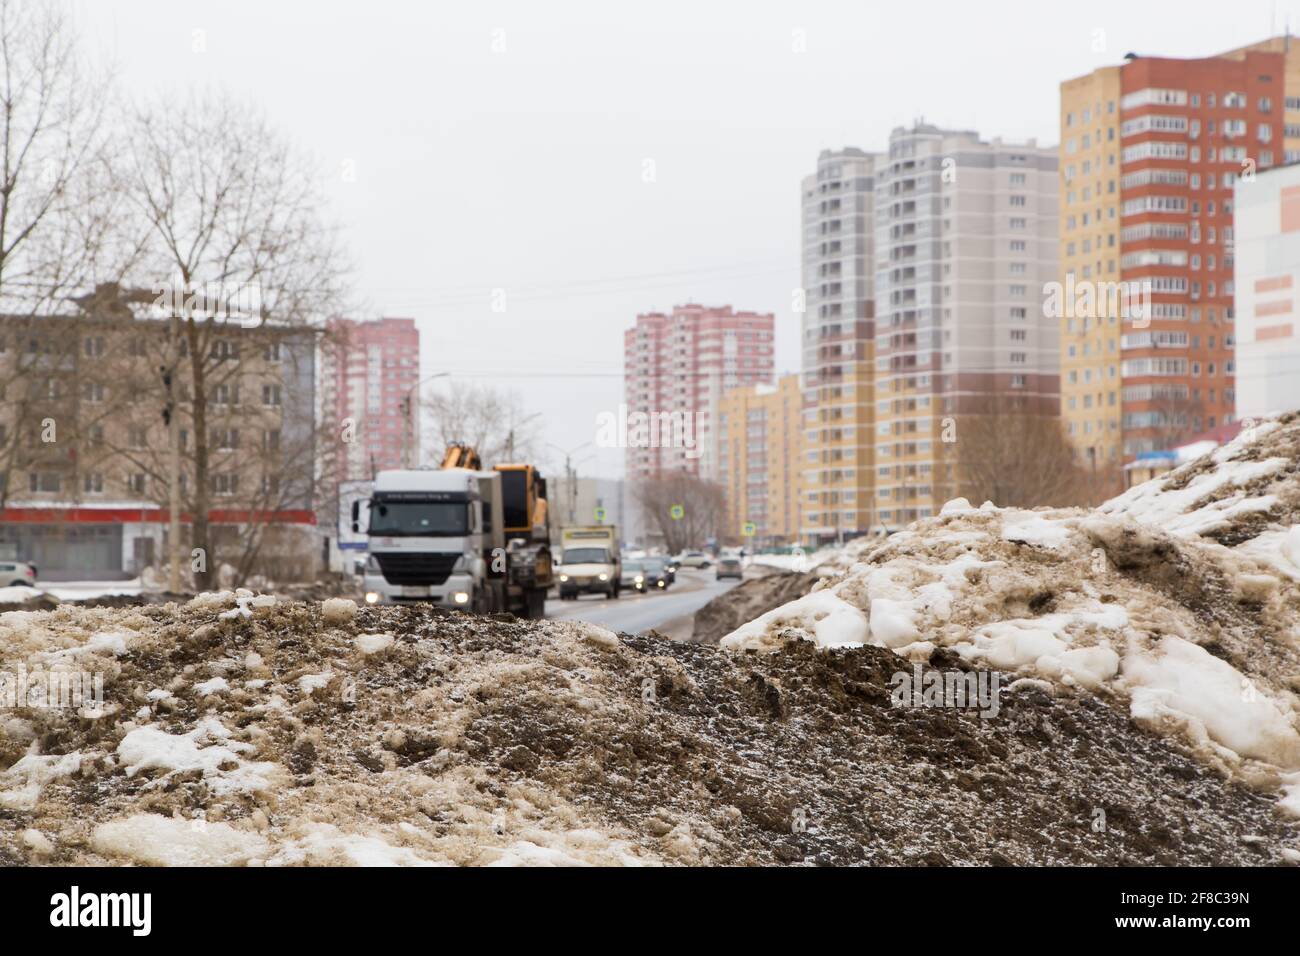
(19, 594)
(819, 616)
(155, 840)
(1178, 599)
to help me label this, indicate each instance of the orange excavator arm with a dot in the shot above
(459, 455)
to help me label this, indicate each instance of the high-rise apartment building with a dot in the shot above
(965, 240)
(676, 367)
(837, 343)
(369, 373)
(760, 431)
(1150, 152)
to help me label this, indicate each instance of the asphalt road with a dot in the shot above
(635, 613)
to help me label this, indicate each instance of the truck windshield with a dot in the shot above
(419, 518)
(586, 556)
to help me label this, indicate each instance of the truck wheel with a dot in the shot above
(536, 604)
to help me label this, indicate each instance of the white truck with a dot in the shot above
(458, 536)
(589, 562)
(432, 538)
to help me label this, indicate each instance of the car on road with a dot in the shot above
(657, 569)
(692, 559)
(643, 574)
(17, 574)
(729, 566)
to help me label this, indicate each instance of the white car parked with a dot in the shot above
(17, 574)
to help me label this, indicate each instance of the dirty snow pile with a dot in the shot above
(1178, 601)
(239, 729)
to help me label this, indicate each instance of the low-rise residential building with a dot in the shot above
(85, 448)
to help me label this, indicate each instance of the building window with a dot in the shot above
(43, 481)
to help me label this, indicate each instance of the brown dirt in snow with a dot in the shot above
(470, 734)
(746, 601)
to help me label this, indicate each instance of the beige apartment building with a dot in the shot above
(759, 441)
(837, 346)
(965, 239)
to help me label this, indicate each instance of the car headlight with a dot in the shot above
(661, 583)
(640, 579)
(372, 597)
(460, 597)
(604, 577)
(564, 577)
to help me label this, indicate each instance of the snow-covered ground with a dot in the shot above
(1179, 600)
(71, 590)
(19, 593)
(85, 590)
(799, 561)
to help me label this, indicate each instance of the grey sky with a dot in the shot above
(455, 170)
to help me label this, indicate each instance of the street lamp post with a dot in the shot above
(408, 414)
(510, 436)
(569, 476)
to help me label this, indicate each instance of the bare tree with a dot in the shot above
(492, 421)
(1018, 457)
(687, 510)
(60, 224)
(236, 238)
(1177, 420)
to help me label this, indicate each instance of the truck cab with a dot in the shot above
(433, 536)
(589, 562)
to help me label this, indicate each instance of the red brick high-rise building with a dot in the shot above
(1150, 153)
(369, 371)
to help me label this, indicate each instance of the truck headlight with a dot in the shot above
(564, 577)
(460, 597)
(372, 597)
(640, 579)
(661, 583)
(604, 576)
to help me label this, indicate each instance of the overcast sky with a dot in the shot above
(467, 147)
